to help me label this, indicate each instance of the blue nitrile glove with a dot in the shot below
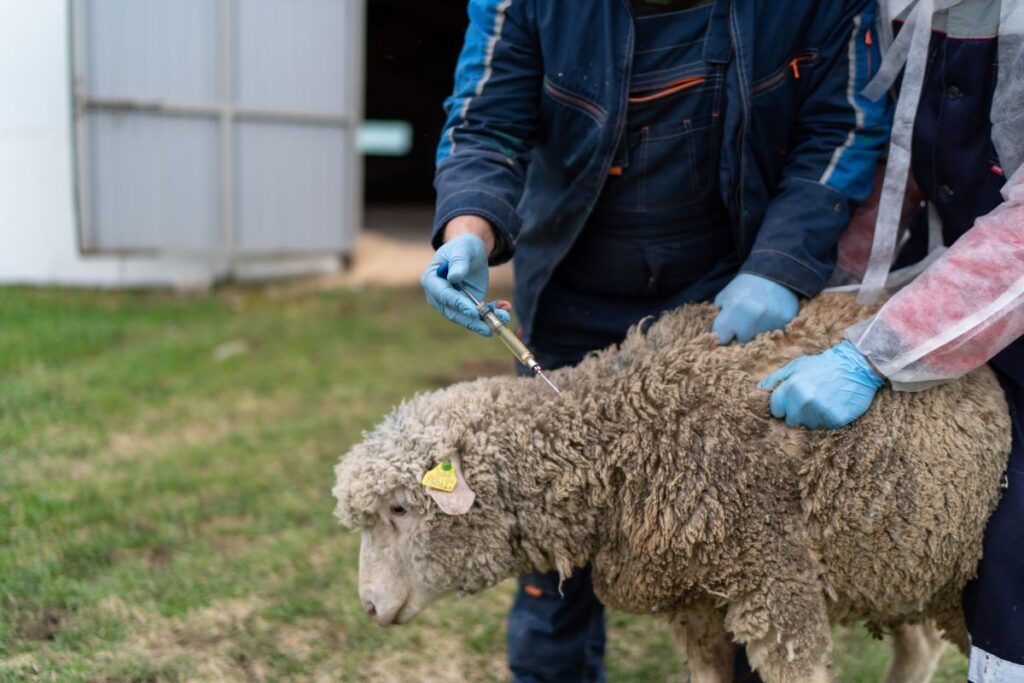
(463, 262)
(829, 390)
(751, 305)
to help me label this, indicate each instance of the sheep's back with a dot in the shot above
(893, 507)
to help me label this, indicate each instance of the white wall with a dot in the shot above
(38, 225)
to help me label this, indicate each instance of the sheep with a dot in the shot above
(660, 466)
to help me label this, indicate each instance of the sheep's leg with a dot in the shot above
(948, 618)
(703, 642)
(917, 649)
(785, 628)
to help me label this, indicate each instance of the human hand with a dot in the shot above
(461, 261)
(751, 305)
(829, 390)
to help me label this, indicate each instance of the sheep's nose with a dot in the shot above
(371, 609)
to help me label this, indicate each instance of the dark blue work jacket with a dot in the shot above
(539, 108)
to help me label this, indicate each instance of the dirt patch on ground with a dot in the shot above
(395, 248)
(45, 625)
(206, 639)
(392, 250)
(381, 259)
(230, 641)
(439, 663)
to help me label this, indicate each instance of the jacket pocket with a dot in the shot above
(791, 69)
(570, 131)
(575, 101)
(679, 163)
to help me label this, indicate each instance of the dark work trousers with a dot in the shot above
(994, 601)
(556, 637)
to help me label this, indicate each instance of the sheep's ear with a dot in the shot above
(452, 501)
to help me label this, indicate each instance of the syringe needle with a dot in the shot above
(543, 377)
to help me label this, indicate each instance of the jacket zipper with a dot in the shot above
(576, 101)
(868, 41)
(793, 65)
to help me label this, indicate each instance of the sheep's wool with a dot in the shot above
(661, 467)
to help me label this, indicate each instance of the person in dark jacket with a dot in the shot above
(632, 156)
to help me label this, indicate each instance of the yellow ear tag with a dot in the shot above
(442, 477)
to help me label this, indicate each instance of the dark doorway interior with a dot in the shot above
(411, 51)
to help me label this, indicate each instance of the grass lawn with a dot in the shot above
(165, 509)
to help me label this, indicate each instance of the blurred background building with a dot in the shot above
(178, 142)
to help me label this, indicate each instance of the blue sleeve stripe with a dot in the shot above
(474, 66)
(851, 168)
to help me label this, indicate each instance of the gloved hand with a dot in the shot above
(751, 305)
(829, 390)
(461, 261)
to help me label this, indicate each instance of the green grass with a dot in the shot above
(165, 509)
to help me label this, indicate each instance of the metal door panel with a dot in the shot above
(292, 187)
(289, 55)
(152, 49)
(217, 127)
(153, 181)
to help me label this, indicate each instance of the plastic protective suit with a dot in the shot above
(961, 311)
(968, 303)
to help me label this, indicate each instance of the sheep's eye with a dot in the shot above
(398, 510)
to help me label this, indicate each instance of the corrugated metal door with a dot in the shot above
(218, 126)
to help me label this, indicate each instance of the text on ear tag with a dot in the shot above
(442, 477)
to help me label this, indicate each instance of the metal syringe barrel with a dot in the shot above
(508, 337)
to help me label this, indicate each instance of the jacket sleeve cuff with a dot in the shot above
(796, 245)
(784, 269)
(500, 214)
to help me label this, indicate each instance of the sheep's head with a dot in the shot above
(420, 541)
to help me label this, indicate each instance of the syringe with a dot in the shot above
(517, 347)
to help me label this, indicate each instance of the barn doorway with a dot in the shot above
(411, 51)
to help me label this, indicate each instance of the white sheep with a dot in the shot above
(660, 467)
